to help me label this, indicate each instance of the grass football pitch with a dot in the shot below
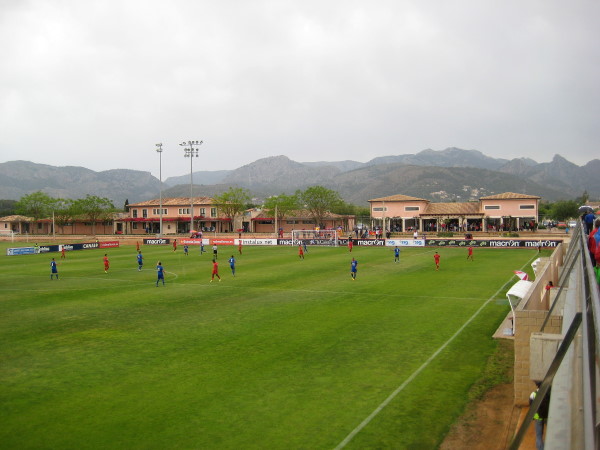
(288, 354)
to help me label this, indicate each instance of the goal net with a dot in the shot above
(315, 237)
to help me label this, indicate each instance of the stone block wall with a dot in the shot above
(527, 322)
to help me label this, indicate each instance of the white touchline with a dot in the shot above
(399, 389)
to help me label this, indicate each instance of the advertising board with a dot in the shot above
(405, 242)
(156, 241)
(20, 251)
(493, 243)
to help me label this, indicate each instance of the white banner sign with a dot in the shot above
(405, 243)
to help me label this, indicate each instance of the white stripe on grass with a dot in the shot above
(400, 388)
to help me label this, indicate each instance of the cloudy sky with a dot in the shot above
(97, 83)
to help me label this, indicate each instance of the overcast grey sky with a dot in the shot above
(97, 83)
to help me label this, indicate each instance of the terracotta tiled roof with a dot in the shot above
(452, 209)
(15, 218)
(174, 201)
(508, 195)
(398, 198)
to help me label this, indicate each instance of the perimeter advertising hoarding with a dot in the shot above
(109, 244)
(369, 242)
(193, 241)
(60, 247)
(49, 248)
(493, 243)
(405, 242)
(157, 241)
(329, 242)
(20, 251)
(256, 241)
(222, 241)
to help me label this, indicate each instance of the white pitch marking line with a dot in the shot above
(400, 388)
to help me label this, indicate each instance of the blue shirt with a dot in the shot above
(397, 251)
(140, 259)
(159, 270)
(53, 266)
(353, 265)
(232, 261)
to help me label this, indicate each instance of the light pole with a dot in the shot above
(190, 152)
(159, 150)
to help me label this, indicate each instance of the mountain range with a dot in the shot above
(448, 175)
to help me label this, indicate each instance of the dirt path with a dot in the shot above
(488, 424)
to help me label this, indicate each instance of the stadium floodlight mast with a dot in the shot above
(159, 150)
(190, 152)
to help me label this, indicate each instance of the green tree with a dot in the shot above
(64, 211)
(232, 202)
(349, 209)
(37, 205)
(565, 209)
(7, 207)
(94, 208)
(281, 205)
(319, 200)
(545, 210)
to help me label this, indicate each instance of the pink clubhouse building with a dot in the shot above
(507, 211)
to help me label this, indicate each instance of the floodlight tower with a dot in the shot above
(159, 150)
(190, 152)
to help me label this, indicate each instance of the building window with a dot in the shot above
(380, 209)
(412, 208)
(134, 212)
(308, 222)
(526, 206)
(145, 213)
(184, 211)
(491, 207)
(213, 212)
(156, 211)
(134, 225)
(290, 222)
(202, 211)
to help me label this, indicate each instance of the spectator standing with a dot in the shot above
(541, 416)
(589, 222)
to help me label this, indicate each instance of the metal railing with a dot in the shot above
(581, 336)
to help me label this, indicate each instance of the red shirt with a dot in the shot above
(436, 257)
(215, 268)
(592, 242)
